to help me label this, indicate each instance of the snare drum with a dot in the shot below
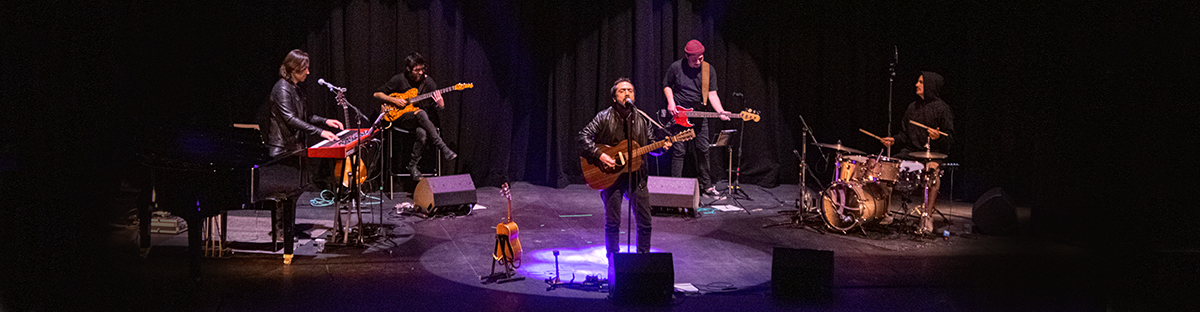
(851, 168)
(882, 169)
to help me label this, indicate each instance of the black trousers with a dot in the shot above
(641, 211)
(697, 147)
(422, 126)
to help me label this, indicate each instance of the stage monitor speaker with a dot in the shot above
(994, 214)
(801, 273)
(643, 278)
(673, 192)
(445, 191)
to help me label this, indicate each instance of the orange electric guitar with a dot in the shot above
(508, 247)
(392, 112)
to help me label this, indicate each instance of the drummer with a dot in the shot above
(931, 111)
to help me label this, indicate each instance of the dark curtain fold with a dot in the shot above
(541, 70)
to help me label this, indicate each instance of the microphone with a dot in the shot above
(331, 86)
(628, 101)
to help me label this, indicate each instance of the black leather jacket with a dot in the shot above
(608, 128)
(286, 126)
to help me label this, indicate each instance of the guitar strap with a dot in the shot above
(703, 83)
(655, 123)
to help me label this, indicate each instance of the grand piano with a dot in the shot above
(199, 173)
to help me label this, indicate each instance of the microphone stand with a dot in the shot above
(629, 176)
(891, 78)
(353, 186)
(735, 187)
(798, 219)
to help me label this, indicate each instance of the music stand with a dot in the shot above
(723, 141)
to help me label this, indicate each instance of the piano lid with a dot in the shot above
(204, 149)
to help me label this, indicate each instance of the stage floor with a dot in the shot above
(435, 263)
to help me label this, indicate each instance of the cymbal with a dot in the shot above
(927, 155)
(839, 147)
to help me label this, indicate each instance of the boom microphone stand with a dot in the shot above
(891, 78)
(352, 185)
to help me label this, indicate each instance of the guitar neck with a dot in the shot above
(711, 115)
(646, 149)
(430, 94)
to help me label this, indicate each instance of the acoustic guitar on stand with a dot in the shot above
(508, 246)
(684, 113)
(598, 177)
(392, 112)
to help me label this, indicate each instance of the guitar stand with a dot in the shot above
(509, 270)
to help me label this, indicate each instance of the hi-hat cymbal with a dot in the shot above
(927, 155)
(839, 147)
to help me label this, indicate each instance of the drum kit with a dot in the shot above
(863, 183)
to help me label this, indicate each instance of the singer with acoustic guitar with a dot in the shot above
(414, 77)
(609, 128)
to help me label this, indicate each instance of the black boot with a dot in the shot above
(414, 160)
(447, 154)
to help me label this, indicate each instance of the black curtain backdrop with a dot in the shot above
(1081, 111)
(541, 71)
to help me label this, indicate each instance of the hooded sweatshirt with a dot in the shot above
(930, 111)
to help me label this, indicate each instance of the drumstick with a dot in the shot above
(889, 148)
(872, 135)
(927, 127)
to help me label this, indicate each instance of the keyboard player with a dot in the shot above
(289, 120)
(286, 125)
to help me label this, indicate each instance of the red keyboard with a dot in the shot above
(343, 147)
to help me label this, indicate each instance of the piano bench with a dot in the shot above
(279, 203)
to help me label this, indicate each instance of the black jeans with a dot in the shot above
(697, 147)
(612, 208)
(423, 127)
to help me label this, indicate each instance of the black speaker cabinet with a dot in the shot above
(801, 273)
(994, 214)
(446, 191)
(643, 278)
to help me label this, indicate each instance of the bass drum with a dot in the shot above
(850, 204)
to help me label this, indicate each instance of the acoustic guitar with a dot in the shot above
(507, 232)
(598, 177)
(392, 112)
(684, 113)
(347, 164)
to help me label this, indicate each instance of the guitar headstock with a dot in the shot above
(505, 192)
(750, 114)
(459, 87)
(684, 136)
